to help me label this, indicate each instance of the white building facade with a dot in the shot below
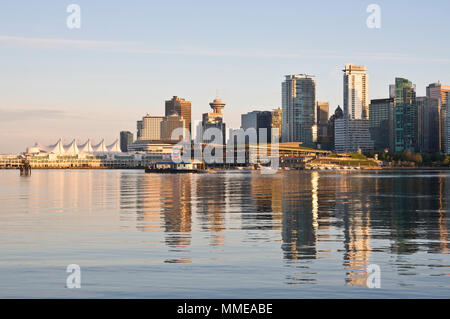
(356, 92)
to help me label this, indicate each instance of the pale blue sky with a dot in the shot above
(130, 56)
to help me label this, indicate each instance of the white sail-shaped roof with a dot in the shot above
(57, 148)
(86, 147)
(114, 147)
(100, 147)
(72, 148)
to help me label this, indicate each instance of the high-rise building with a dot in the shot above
(356, 92)
(126, 138)
(322, 122)
(213, 119)
(258, 120)
(381, 123)
(447, 124)
(427, 125)
(352, 136)
(338, 114)
(149, 129)
(181, 107)
(392, 91)
(439, 92)
(277, 120)
(299, 109)
(171, 123)
(405, 122)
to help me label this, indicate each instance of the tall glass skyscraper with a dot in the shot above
(405, 116)
(299, 109)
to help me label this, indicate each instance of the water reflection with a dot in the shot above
(313, 214)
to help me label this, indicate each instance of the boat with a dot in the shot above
(170, 167)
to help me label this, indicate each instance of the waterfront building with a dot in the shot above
(428, 127)
(299, 109)
(277, 121)
(381, 123)
(439, 92)
(356, 92)
(181, 107)
(338, 113)
(149, 129)
(258, 120)
(405, 122)
(126, 138)
(171, 123)
(322, 122)
(213, 119)
(352, 136)
(447, 124)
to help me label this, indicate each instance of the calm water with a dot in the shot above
(232, 234)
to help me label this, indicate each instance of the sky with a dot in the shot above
(128, 57)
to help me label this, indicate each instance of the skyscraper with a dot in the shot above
(356, 92)
(405, 123)
(277, 120)
(322, 122)
(181, 107)
(439, 92)
(338, 114)
(126, 138)
(258, 120)
(447, 124)
(169, 124)
(427, 125)
(149, 129)
(381, 123)
(299, 109)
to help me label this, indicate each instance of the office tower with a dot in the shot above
(213, 119)
(447, 124)
(356, 92)
(299, 109)
(352, 136)
(322, 122)
(405, 123)
(381, 123)
(427, 125)
(126, 138)
(392, 91)
(181, 107)
(139, 130)
(439, 92)
(171, 123)
(277, 121)
(258, 120)
(338, 114)
(149, 129)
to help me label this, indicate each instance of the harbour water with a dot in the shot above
(233, 234)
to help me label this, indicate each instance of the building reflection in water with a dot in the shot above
(339, 217)
(211, 192)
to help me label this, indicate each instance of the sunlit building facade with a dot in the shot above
(299, 109)
(356, 92)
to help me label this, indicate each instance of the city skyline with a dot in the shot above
(115, 69)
